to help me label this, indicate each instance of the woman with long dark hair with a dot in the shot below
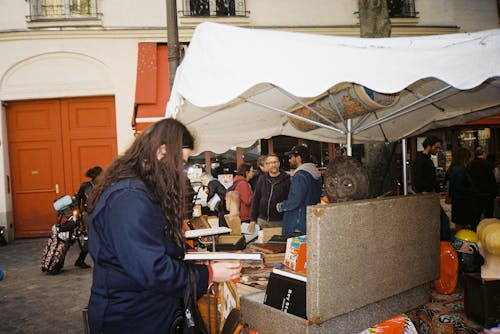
(136, 238)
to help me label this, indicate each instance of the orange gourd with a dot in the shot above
(448, 269)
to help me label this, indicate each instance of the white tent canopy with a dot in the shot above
(236, 85)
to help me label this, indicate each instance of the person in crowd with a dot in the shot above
(84, 191)
(305, 189)
(424, 172)
(261, 170)
(483, 176)
(241, 184)
(82, 197)
(136, 237)
(461, 189)
(425, 180)
(271, 189)
(216, 196)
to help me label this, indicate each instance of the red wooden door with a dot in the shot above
(51, 145)
(89, 136)
(36, 164)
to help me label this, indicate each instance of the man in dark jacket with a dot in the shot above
(271, 189)
(424, 179)
(481, 172)
(424, 171)
(305, 189)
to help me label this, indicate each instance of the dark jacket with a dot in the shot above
(139, 276)
(482, 174)
(83, 194)
(257, 173)
(305, 190)
(424, 174)
(268, 192)
(215, 187)
(461, 191)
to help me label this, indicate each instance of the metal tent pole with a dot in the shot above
(405, 178)
(349, 137)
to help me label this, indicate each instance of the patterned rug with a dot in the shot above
(444, 315)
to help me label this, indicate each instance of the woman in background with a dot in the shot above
(461, 189)
(82, 197)
(241, 184)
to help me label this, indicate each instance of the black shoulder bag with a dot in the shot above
(188, 320)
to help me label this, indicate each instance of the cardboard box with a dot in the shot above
(296, 254)
(482, 299)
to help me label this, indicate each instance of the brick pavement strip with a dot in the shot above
(34, 302)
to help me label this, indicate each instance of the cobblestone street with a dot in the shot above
(34, 302)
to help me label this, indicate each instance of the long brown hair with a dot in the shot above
(165, 178)
(460, 158)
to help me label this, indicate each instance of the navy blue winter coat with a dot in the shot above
(305, 189)
(139, 275)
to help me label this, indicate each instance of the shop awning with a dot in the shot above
(236, 85)
(152, 89)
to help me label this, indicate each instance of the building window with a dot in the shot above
(62, 10)
(401, 8)
(218, 8)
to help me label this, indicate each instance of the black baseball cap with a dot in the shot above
(300, 150)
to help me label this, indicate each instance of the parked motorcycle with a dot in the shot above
(68, 230)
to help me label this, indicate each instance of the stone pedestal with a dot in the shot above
(366, 261)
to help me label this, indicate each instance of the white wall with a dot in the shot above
(440, 12)
(467, 15)
(302, 13)
(6, 218)
(13, 14)
(476, 15)
(133, 13)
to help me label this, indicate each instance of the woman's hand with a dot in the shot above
(224, 271)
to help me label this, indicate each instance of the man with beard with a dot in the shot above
(305, 189)
(424, 172)
(271, 189)
(425, 180)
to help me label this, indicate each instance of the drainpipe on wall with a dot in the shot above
(172, 40)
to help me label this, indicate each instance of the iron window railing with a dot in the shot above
(401, 8)
(63, 10)
(214, 8)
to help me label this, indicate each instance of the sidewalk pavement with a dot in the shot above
(34, 302)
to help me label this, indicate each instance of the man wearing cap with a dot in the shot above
(271, 188)
(481, 172)
(305, 189)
